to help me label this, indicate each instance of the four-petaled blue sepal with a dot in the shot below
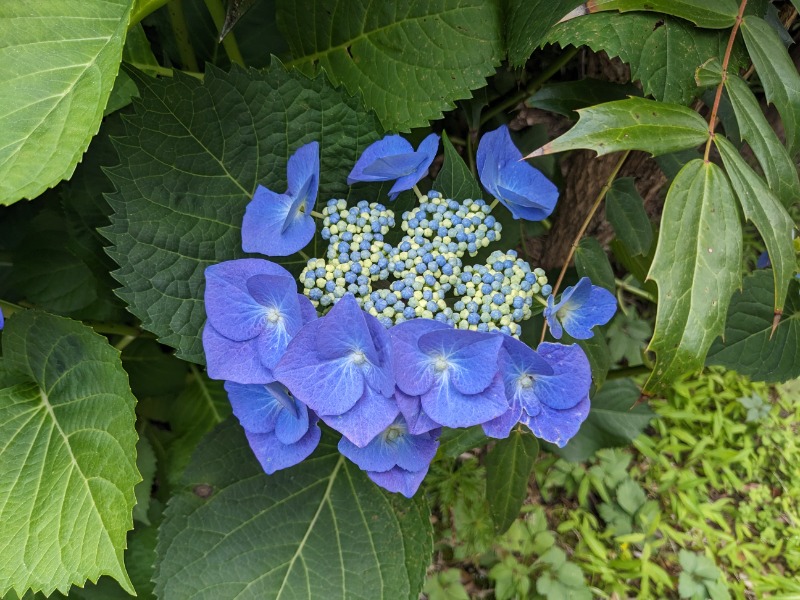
(521, 188)
(393, 158)
(281, 224)
(341, 367)
(253, 311)
(455, 372)
(395, 459)
(280, 429)
(581, 307)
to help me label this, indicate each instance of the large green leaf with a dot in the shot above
(663, 52)
(712, 14)
(58, 61)
(192, 157)
(632, 124)
(528, 21)
(625, 211)
(321, 529)
(746, 345)
(766, 212)
(778, 75)
(697, 266)
(566, 97)
(591, 261)
(410, 60)
(508, 469)
(68, 456)
(454, 179)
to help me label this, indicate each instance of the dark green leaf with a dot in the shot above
(455, 442)
(696, 266)
(319, 530)
(632, 124)
(527, 23)
(377, 49)
(566, 97)
(146, 463)
(591, 261)
(767, 213)
(152, 371)
(711, 14)
(746, 346)
(508, 469)
(138, 53)
(636, 264)
(236, 9)
(625, 211)
(454, 179)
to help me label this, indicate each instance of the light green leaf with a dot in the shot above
(68, 456)
(630, 496)
(591, 261)
(764, 210)
(625, 211)
(565, 97)
(508, 469)
(138, 53)
(778, 75)
(697, 267)
(711, 14)
(747, 347)
(321, 529)
(409, 60)
(527, 23)
(55, 81)
(454, 179)
(632, 124)
(192, 157)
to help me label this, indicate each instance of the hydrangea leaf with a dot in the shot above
(627, 215)
(508, 469)
(746, 346)
(591, 261)
(54, 84)
(710, 14)
(321, 530)
(696, 267)
(69, 456)
(454, 179)
(446, 49)
(527, 23)
(191, 160)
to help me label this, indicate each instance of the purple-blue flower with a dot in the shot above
(393, 158)
(455, 372)
(395, 459)
(341, 367)
(521, 188)
(581, 307)
(280, 429)
(281, 224)
(2, 320)
(253, 311)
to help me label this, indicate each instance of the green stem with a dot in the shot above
(229, 41)
(635, 291)
(124, 342)
(417, 192)
(164, 71)
(114, 328)
(628, 372)
(494, 203)
(305, 256)
(471, 153)
(316, 215)
(181, 31)
(142, 8)
(540, 300)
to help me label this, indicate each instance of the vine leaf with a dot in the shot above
(631, 124)
(319, 530)
(625, 211)
(508, 468)
(697, 268)
(527, 23)
(591, 261)
(710, 14)
(68, 456)
(52, 100)
(409, 60)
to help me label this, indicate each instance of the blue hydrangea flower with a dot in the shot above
(280, 224)
(395, 459)
(280, 430)
(454, 372)
(253, 311)
(763, 261)
(521, 188)
(581, 307)
(411, 409)
(341, 367)
(394, 158)
(2, 319)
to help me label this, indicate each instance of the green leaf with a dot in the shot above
(187, 172)
(146, 465)
(152, 371)
(508, 469)
(55, 81)
(746, 346)
(765, 211)
(527, 22)
(454, 179)
(455, 442)
(321, 529)
(68, 456)
(597, 352)
(446, 585)
(628, 335)
(446, 49)
(697, 267)
(614, 420)
(710, 14)
(591, 261)
(625, 211)
(566, 97)
(632, 124)
(663, 52)
(778, 75)
(630, 496)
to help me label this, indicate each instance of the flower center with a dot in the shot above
(358, 357)
(273, 315)
(525, 381)
(440, 364)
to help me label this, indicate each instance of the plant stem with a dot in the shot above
(142, 8)
(316, 215)
(471, 152)
(304, 255)
(586, 221)
(712, 120)
(185, 48)
(114, 328)
(229, 41)
(494, 203)
(165, 71)
(628, 372)
(634, 290)
(417, 192)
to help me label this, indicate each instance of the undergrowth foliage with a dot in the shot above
(304, 306)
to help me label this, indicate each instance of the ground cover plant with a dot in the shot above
(317, 300)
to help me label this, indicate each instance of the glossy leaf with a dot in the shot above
(697, 268)
(508, 469)
(566, 97)
(446, 48)
(322, 530)
(54, 84)
(711, 14)
(625, 211)
(454, 179)
(68, 456)
(632, 124)
(527, 23)
(591, 261)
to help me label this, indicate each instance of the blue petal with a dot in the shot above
(424, 155)
(446, 405)
(254, 406)
(274, 455)
(2, 320)
(302, 175)
(571, 378)
(380, 375)
(394, 446)
(762, 263)
(292, 424)
(411, 409)
(472, 356)
(501, 426)
(233, 361)
(276, 294)
(558, 426)
(373, 413)
(391, 145)
(597, 309)
(399, 480)
(269, 227)
(516, 361)
(494, 150)
(552, 320)
(343, 330)
(412, 371)
(307, 310)
(393, 167)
